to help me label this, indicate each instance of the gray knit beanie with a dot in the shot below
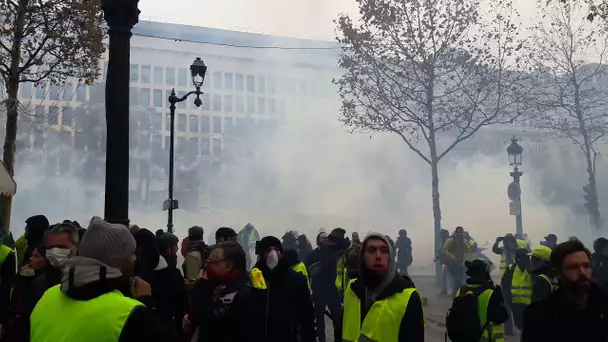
(107, 242)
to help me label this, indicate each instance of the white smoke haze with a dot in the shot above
(321, 175)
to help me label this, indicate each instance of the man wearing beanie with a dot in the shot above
(281, 298)
(98, 294)
(484, 296)
(225, 234)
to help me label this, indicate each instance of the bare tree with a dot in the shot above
(569, 54)
(431, 71)
(44, 40)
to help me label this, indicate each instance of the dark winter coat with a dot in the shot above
(322, 265)
(555, 319)
(541, 288)
(284, 312)
(404, 251)
(221, 310)
(7, 274)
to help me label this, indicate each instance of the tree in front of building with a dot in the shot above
(44, 41)
(570, 57)
(431, 72)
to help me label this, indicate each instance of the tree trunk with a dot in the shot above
(436, 211)
(12, 110)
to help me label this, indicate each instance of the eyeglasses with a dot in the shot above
(209, 261)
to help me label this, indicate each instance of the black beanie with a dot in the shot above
(477, 268)
(266, 243)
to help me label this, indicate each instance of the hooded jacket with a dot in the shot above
(370, 288)
(600, 263)
(82, 280)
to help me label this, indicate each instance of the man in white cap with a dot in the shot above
(98, 299)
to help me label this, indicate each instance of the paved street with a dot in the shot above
(435, 310)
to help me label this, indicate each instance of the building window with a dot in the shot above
(217, 103)
(217, 124)
(250, 83)
(282, 107)
(228, 81)
(26, 90)
(271, 85)
(204, 146)
(182, 77)
(272, 106)
(170, 76)
(156, 120)
(228, 103)
(183, 104)
(261, 105)
(206, 102)
(158, 98)
(182, 121)
(158, 75)
(54, 92)
(238, 80)
(81, 93)
(67, 117)
(239, 104)
(133, 96)
(38, 139)
(193, 123)
(53, 115)
(144, 97)
(261, 84)
(292, 86)
(204, 127)
(167, 94)
(68, 92)
(302, 88)
(250, 105)
(134, 73)
(217, 147)
(217, 80)
(41, 91)
(146, 74)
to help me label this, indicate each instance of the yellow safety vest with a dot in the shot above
(382, 322)
(340, 273)
(493, 332)
(58, 317)
(521, 287)
(503, 258)
(301, 268)
(257, 279)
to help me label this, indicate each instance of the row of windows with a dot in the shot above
(217, 80)
(158, 98)
(43, 91)
(202, 124)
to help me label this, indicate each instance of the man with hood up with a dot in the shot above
(381, 305)
(282, 306)
(98, 294)
(404, 252)
(599, 259)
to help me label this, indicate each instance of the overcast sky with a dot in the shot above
(302, 18)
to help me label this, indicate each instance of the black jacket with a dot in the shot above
(221, 310)
(412, 324)
(541, 288)
(284, 312)
(7, 275)
(555, 319)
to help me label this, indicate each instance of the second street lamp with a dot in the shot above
(198, 69)
(514, 190)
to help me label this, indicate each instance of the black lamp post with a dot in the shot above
(197, 70)
(515, 159)
(121, 16)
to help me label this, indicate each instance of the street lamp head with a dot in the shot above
(198, 69)
(514, 151)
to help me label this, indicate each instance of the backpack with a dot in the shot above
(462, 321)
(193, 264)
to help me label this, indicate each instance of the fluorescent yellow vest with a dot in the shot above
(340, 273)
(382, 322)
(503, 258)
(58, 317)
(301, 268)
(493, 332)
(521, 287)
(257, 279)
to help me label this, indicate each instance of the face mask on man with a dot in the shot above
(272, 260)
(57, 256)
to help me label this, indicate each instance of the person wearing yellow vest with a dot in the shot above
(7, 276)
(381, 305)
(290, 258)
(282, 307)
(491, 311)
(507, 251)
(542, 275)
(518, 284)
(96, 298)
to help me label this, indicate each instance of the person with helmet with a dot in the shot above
(541, 273)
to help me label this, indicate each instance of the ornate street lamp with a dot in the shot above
(515, 151)
(515, 159)
(198, 69)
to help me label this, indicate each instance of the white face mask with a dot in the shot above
(272, 260)
(57, 256)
